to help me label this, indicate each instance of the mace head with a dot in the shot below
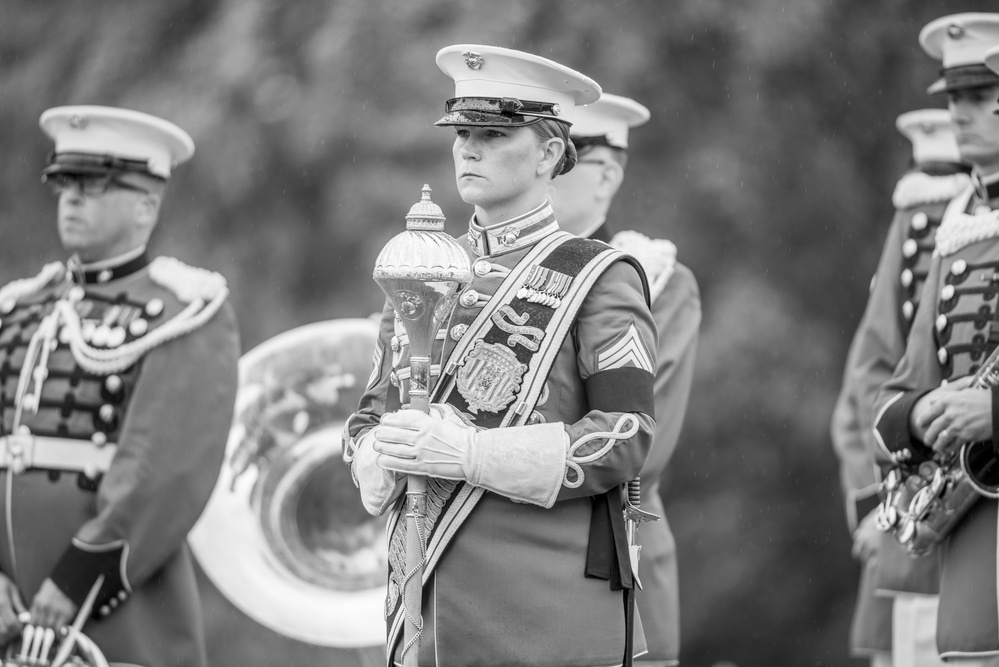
(421, 271)
(425, 215)
(424, 252)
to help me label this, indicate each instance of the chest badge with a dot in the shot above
(490, 377)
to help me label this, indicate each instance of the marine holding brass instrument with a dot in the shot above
(44, 647)
(921, 504)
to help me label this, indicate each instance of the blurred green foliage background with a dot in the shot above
(769, 160)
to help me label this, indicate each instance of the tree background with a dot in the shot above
(769, 160)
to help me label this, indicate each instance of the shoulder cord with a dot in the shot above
(964, 229)
(104, 362)
(14, 291)
(98, 361)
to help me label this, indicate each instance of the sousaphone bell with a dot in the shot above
(284, 536)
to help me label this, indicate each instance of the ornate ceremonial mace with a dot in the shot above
(421, 271)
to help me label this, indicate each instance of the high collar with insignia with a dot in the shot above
(97, 273)
(520, 232)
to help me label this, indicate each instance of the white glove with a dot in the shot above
(410, 441)
(523, 463)
(379, 487)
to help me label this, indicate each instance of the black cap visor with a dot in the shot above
(494, 111)
(94, 165)
(962, 78)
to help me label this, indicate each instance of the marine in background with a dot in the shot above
(955, 328)
(892, 582)
(117, 383)
(601, 134)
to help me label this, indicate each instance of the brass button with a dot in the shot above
(947, 292)
(117, 336)
(906, 278)
(943, 355)
(113, 383)
(908, 310)
(457, 331)
(469, 298)
(106, 413)
(909, 248)
(88, 329)
(138, 327)
(102, 334)
(919, 221)
(941, 322)
(958, 267)
(482, 267)
(154, 308)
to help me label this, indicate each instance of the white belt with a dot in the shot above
(22, 452)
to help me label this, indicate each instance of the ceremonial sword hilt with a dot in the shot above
(633, 516)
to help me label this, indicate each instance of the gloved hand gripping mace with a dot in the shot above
(421, 272)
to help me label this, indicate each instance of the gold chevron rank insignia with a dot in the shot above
(628, 349)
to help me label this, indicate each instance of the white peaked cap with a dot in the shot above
(156, 146)
(992, 59)
(932, 135)
(492, 83)
(960, 42)
(611, 117)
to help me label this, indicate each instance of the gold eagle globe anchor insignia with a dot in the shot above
(490, 377)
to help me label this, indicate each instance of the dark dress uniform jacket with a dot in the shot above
(154, 433)
(954, 330)
(676, 308)
(920, 199)
(510, 587)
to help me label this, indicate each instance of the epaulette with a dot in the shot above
(16, 290)
(919, 189)
(189, 283)
(657, 257)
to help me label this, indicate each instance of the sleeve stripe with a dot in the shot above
(628, 349)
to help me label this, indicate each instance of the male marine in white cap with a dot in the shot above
(117, 383)
(544, 403)
(601, 134)
(928, 406)
(892, 582)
